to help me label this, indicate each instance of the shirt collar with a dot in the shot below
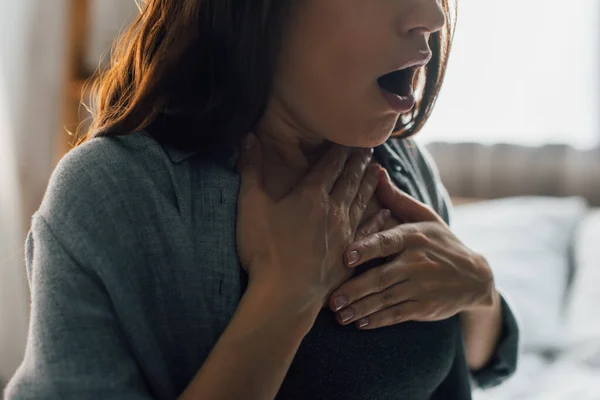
(227, 157)
(178, 155)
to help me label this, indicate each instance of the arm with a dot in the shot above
(76, 348)
(253, 355)
(481, 329)
(501, 359)
(491, 334)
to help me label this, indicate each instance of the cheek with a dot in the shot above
(329, 75)
(339, 108)
(334, 94)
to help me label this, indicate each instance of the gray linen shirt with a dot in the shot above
(134, 275)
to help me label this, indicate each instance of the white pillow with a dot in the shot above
(526, 242)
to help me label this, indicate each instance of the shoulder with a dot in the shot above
(104, 172)
(117, 193)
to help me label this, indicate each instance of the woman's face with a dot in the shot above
(333, 54)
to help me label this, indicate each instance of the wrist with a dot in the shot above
(489, 296)
(487, 302)
(275, 300)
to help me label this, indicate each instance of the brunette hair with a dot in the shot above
(195, 73)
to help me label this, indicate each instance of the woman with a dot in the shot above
(151, 278)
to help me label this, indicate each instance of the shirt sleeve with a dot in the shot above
(503, 363)
(75, 347)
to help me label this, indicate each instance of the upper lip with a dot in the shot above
(420, 60)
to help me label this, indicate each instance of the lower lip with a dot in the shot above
(400, 104)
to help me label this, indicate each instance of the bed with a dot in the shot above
(545, 253)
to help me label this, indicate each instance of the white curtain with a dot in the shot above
(522, 71)
(32, 56)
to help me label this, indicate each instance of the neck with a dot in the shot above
(287, 145)
(288, 151)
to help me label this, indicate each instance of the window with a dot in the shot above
(522, 71)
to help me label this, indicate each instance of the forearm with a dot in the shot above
(481, 329)
(253, 355)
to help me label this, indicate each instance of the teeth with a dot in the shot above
(397, 82)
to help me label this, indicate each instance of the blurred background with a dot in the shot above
(515, 133)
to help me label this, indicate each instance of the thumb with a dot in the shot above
(403, 206)
(249, 166)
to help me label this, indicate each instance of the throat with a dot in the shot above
(285, 164)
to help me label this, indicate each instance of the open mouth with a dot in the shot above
(397, 89)
(398, 82)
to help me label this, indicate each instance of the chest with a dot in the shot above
(188, 302)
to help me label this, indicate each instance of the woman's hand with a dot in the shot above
(293, 247)
(430, 275)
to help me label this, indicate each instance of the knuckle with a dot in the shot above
(429, 308)
(477, 259)
(421, 238)
(431, 314)
(422, 257)
(336, 215)
(397, 314)
(362, 232)
(338, 155)
(364, 155)
(411, 229)
(387, 298)
(354, 179)
(386, 240)
(382, 278)
(360, 200)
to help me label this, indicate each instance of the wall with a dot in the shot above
(31, 80)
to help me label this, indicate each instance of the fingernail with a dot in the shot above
(387, 174)
(347, 314)
(363, 322)
(353, 257)
(387, 213)
(340, 301)
(250, 141)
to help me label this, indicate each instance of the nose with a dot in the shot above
(422, 17)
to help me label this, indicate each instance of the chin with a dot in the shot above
(372, 134)
(379, 134)
(370, 140)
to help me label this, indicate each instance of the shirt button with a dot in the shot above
(396, 166)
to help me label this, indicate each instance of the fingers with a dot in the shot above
(403, 312)
(395, 294)
(373, 281)
(385, 243)
(403, 206)
(375, 224)
(350, 181)
(363, 197)
(327, 170)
